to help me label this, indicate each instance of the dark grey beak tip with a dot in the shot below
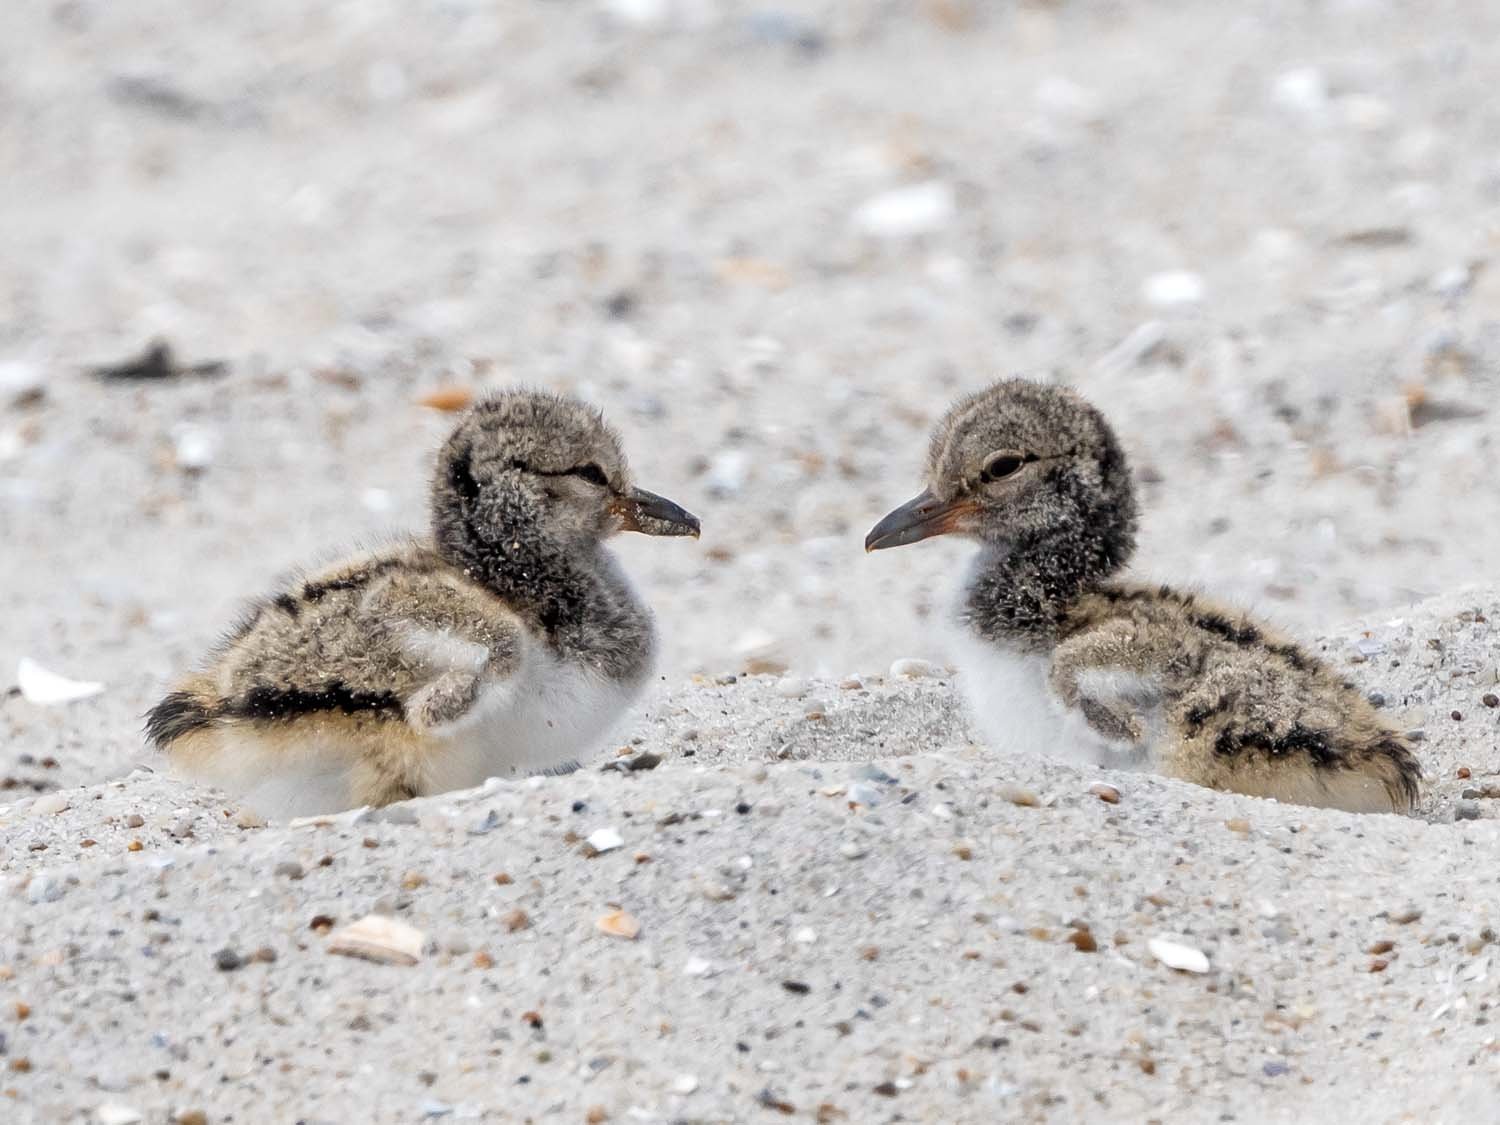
(656, 515)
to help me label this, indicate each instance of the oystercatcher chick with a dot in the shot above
(506, 642)
(1063, 655)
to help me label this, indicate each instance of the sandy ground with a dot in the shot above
(1262, 241)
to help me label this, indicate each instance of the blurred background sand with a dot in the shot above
(772, 242)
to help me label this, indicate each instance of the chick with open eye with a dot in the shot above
(508, 641)
(1062, 655)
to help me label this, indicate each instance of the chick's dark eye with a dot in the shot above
(1001, 465)
(461, 476)
(593, 474)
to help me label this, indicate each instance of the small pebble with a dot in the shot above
(134, 820)
(486, 824)
(227, 960)
(516, 919)
(913, 669)
(395, 814)
(805, 936)
(50, 804)
(193, 447)
(697, 967)
(1016, 795)
(1490, 699)
(619, 924)
(907, 211)
(684, 1084)
(1106, 793)
(113, 1113)
(790, 687)
(44, 887)
(22, 383)
(727, 472)
(849, 849)
(1083, 941)
(1301, 90)
(1407, 916)
(1466, 810)
(249, 818)
(1173, 288)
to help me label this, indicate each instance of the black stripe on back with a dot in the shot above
(278, 703)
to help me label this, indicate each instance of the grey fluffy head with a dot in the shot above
(533, 460)
(1027, 462)
(1036, 475)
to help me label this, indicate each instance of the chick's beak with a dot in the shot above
(921, 517)
(650, 514)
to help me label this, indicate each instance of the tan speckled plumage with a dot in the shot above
(1066, 653)
(507, 642)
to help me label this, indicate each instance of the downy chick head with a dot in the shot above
(533, 462)
(1020, 462)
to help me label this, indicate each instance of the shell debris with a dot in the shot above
(377, 938)
(618, 923)
(1175, 955)
(46, 688)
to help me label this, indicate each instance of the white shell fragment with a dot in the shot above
(114, 1113)
(907, 211)
(1175, 955)
(605, 840)
(380, 939)
(46, 688)
(1173, 288)
(193, 447)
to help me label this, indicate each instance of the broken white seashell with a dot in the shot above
(907, 211)
(605, 840)
(1175, 955)
(380, 939)
(47, 689)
